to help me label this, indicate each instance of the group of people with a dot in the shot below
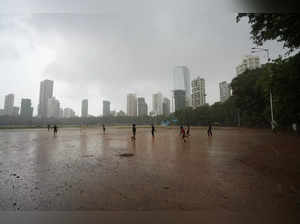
(54, 129)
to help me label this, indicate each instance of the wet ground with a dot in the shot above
(241, 171)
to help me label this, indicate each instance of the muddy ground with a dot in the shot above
(240, 171)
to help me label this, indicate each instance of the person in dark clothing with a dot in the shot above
(182, 132)
(103, 127)
(209, 132)
(152, 130)
(133, 132)
(55, 130)
(188, 131)
(49, 127)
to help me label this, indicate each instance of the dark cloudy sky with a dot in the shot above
(102, 50)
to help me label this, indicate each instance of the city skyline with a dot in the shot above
(137, 59)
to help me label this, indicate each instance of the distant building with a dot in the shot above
(157, 101)
(53, 108)
(68, 113)
(46, 92)
(106, 108)
(9, 104)
(166, 106)
(182, 81)
(26, 109)
(180, 100)
(121, 113)
(249, 62)
(84, 108)
(113, 113)
(224, 91)
(142, 107)
(61, 112)
(131, 105)
(198, 92)
(2, 112)
(15, 111)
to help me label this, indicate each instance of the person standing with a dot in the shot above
(152, 130)
(103, 128)
(55, 130)
(133, 132)
(209, 132)
(48, 127)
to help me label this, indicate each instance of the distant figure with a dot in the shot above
(103, 127)
(209, 133)
(274, 126)
(182, 132)
(49, 127)
(55, 130)
(152, 130)
(133, 132)
(188, 131)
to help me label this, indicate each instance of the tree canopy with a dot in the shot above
(276, 26)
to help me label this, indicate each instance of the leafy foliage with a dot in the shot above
(275, 26)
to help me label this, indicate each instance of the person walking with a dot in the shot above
(188, 131)
(133, 132)
(49, 127)
(152, 130)
(209, 132)
(55, 130)
(103, 128)
(182, 132)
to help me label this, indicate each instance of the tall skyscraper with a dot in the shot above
(131, 104)
(26, 109)
(142, 107)
(68, 112)
(198, 92)
(180, 100)
(182, 81)
(53, 108)
(166, 106)
(249, 62)
(46, 92)
(157, 101)
(106, 108)
(84, 108)
(15, 112)
(224, 91)
(9, 104)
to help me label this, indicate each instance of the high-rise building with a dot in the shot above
(249, 62)
(46, 92)
(68, 112)
(53, 108)
(179, 98)
(142, 107)
(61, 112)
(2, 112)
(131, 104)
(84, 108)
(15, 112)
(9, 104)
(106, 108)
(182, 81)
(198, 92)
(157, 101)
(166, 106)
(26, 109)
(224, 91)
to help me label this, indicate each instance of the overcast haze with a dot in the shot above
(102, 51)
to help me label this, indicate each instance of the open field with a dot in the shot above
(239, 171)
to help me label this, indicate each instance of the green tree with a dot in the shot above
(274, 26)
